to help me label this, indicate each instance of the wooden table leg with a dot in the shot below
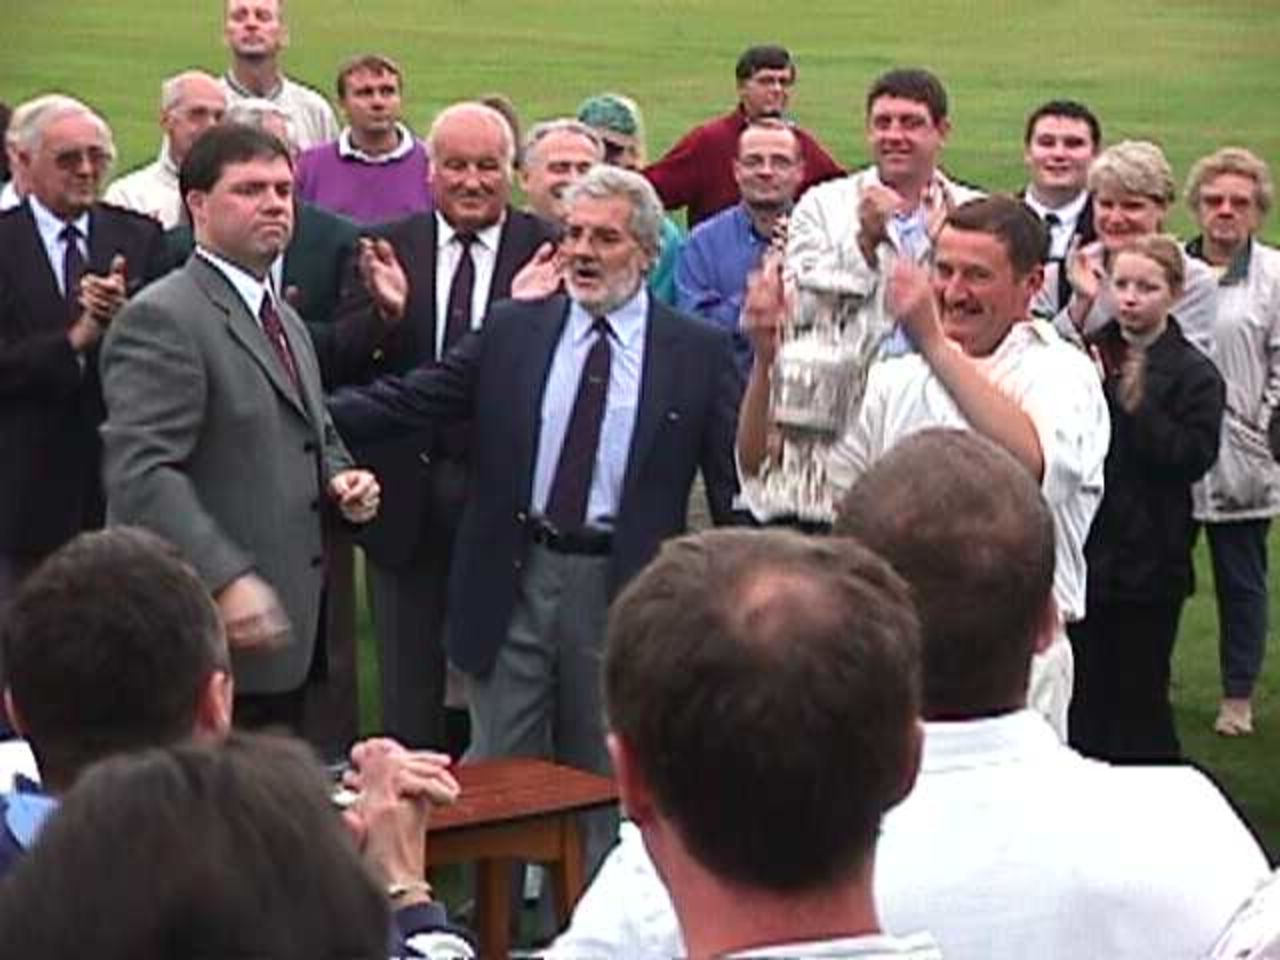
(567, 870)
(493, 907)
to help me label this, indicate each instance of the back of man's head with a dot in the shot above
(110, 645)
(753, 675)
(967, 528)
(197, 851)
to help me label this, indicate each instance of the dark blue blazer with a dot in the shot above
(420, 499)
(686, 420)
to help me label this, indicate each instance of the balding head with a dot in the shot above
(190, 103)
(472, 152)
(266, 116)
(557, 153)
(748, 672)
(967, 527)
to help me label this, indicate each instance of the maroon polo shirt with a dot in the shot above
(698, 171)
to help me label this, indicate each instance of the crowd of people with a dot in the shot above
(936, 723)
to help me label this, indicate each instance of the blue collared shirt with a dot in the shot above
(711, 274)
(627, 325)
(50, 226)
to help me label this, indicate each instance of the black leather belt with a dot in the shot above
(585, 540)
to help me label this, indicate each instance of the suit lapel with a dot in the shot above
(425, 240)
(101, 249)
(657, 385)
(505, 264)
(244, 328)
(295, 332)
(43, 285)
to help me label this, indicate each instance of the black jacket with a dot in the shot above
(1139, 548)
(50, 399)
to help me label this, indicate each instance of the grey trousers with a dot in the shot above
(543, 697)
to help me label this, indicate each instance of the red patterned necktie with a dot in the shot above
(274, 330)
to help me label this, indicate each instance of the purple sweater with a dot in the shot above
(366, 192)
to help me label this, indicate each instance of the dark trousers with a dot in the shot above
(1120, 708)
(287, 712)
(1239, 553)
(331, 714)
(277, 712)
(409, 608)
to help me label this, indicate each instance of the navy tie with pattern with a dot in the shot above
(458, 312)
(567, 502)
(72, 269)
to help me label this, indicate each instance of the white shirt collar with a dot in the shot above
(349, 151)
(166, 161)
(9, 196)
(249, 287)
(1067, 213)
(51, 225)
(962, 744)
(626, 322)
(486, 237)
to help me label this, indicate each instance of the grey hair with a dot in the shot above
(1134, 166)
(253, 111)
(605, 183)
(1234, 160)
(172, 88)
(32, 118)
(540, 131)
(476, 109)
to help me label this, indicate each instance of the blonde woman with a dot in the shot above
(1133, 187)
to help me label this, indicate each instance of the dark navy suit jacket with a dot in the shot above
(421, 493)
(51, 401)
(686, 420)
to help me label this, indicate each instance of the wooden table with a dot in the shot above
(516, 809)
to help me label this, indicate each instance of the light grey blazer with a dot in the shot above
(208, 444)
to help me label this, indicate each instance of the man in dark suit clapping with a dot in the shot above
(68, 264)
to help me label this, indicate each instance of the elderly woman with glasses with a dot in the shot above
(1229, 193)
(1132, 187)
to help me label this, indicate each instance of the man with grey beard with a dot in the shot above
(591, 412)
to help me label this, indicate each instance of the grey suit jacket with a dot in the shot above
(208, 444)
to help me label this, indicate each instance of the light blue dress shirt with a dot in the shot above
(50, 226)
(627, 324)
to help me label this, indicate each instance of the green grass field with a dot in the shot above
(1191, 75)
